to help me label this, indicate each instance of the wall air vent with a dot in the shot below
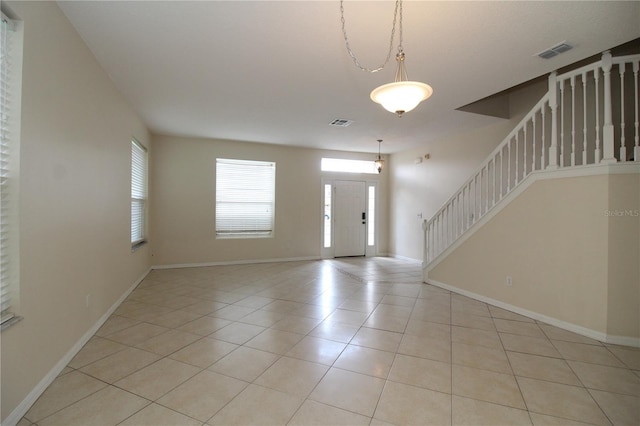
(555, 50)
(340, 122)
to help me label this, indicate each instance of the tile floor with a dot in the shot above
(345, 341)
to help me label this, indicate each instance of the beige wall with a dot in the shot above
(424, 187)
(623, 317)
(569, 260)
(75, 200)
(183, 206)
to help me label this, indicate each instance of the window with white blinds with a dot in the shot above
(245, 198)
(138, 193)
(8, 173)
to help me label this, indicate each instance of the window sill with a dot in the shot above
(8, 323)
(242, 236)
(136, 246)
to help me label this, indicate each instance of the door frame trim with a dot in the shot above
(370, 251)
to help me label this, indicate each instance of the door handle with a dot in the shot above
(364, 217)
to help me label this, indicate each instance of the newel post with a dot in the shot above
(608, 155)
(425, 253)
(553, 104)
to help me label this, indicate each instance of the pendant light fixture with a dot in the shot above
(379, 161)
(402, 95)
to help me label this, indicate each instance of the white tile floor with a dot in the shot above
(345, 341)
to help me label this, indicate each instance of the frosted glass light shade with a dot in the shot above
(379, 164)
(401, 96)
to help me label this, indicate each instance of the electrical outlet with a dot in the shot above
(509, 281)
(87, 300)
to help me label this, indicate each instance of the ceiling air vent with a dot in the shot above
(340, 122)
(555, 50)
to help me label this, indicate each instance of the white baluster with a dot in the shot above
(470, 205)
(561, 112)
(450, 223)
(437, 236)
(573, 120)
(543, 136)
(607, 128)
(465, 208)
(517, 160)
(447, 223)
(454, 213)
(475, 198)
(458, 215)
(480, 201)
(467, 201)
(445, 227)
(427, 246)
(493, 160)
(584, 119)
(636, 149)
(596, 76)
(533, 142)
(434, 237)
(500, 178)
(425, 256)
(524, 151)
(623, 146)
(444, 230)
(432, 240)
(479, 189)
(508, 166)
(553, 104)
(484, 193)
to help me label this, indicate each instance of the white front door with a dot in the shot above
(349, 218)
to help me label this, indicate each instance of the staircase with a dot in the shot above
(588, 117)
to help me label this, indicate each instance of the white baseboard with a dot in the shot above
(408, 259)
(623, 340)
(235, 262)
(22, 408)
(583, 331)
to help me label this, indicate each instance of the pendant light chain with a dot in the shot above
(402, 95)
(398, 8)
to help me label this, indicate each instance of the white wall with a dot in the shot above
(75, 200)
(183, 206)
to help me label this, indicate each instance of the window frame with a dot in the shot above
(346, 165)
(10, 118)
(139, 193)
(230, 221)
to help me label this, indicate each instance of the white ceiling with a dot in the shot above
(278, 71)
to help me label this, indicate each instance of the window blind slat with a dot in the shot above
(245, 197)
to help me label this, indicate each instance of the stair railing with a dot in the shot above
(580, 121)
